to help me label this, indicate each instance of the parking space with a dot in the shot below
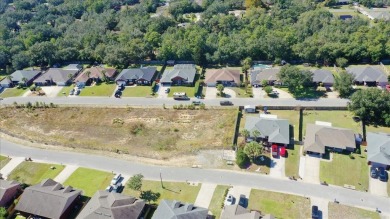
(161, 91)
(282, 93)
(229, 93)
(312, 169)
(377, 187)
(52, 91)
(258, 92)
(211, 93)
(236, 191)
(322, 205)
(277, 167)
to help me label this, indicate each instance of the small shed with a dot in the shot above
(250, 109)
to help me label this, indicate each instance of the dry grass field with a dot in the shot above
(153, 133)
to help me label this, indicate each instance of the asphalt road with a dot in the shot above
(344, 196)
(139, 101)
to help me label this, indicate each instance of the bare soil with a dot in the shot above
(149, 133)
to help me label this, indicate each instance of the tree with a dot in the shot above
(88, 74)
(245, 133)
(246, 65)
(3, 213)
(253, 150)
(268, 90)
(220, 89)
(256, 133)
(264, 83)
(104, 77)
(242, 160)
(149, 196)
(341, 62)
(295, 79)
(24, 81)
(254, 4)
(343, 84)
(135, 182)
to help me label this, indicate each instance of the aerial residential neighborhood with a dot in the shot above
(194, 109)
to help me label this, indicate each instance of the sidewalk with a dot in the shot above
(12, 164)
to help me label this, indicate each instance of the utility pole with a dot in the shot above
(162, 186)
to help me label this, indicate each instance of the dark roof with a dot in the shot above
(5, 185)
(56, 75)
(368, 74)
(47, 199)
(238, 212)
(96, 72)
(277, 130)
(223, 74)
(378, 148)
(105, 205)
(322, 76)
(268, 74)
(176, 210)
(185, 71)
(145, 73)
(19, 75)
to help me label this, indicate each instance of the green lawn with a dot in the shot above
(137, 91)
(89, 180)
(344, 170)
(32, 173)
(178, 89)
(240, 92)
(65, 90)
(102, 89)
(279, 204)
(347, 212)
(3, 161)
(172, 190)
(13, 92)
(292, 161)
(216, 203)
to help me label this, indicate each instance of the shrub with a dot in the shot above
(153, 87)
(197, 88)
(342, 62)
(268, 89)
(351, 156)
(242, 160)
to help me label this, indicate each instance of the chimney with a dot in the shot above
(67, 189)
(175, 204)
(189, 207)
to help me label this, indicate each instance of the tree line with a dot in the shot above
(121, 32)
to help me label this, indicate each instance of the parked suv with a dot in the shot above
(383, 174)
(314, 212)
(116, 178)
(225, 103)
(373, 172)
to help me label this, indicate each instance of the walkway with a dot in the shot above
(65, 173)
(234, 178)
(205, 195)
(11, 165)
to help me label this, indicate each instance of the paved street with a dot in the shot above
(253, 180)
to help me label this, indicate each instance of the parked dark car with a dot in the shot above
(71, 92)
(118, 94)
(121, 87)
(383, 176)
(225, 103)
(77, 92)
(373, 172)
(314, 212)
(196, 102)
(243, 201)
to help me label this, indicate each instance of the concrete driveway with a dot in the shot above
(52, 91)
(277, 167)
(229, 93)
(282, 94)
(377, 187)
(322, 206)
(161, 91)
(11, 165)
(205, 195)
(258, 92)
(236, 191)
(312, 169)
(65, 173)
(211, 92)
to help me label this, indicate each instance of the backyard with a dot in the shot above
(279, 204)
(101, 89)
(137, 91)
(190, 91)
(154, 133)
(32, 173)
(347, 212)
(13, 92)
(89, 180)
(217, 200)
(344, 170)
(171, 191)
(3, 161)
(292, 161)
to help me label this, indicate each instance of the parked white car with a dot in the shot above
(229, 200)
(116, 178)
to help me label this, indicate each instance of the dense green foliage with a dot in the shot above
(295, 78)
(343, 84)
(242, 160)
(120, 32)
(372, 105)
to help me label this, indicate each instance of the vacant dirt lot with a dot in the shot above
(153, 133)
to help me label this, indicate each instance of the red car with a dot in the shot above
(275, 150)
(283, 151)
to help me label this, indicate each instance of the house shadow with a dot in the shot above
(263, 161)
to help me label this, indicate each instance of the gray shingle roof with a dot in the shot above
(268, 74)
(322, 76)
(378, 148)
(17, 76)
(47, 199)
(185, 71)
(238, 212)
(77, 67)
(367, 74)
(277, 130)
(176, 210)
(57, 75)
(318, 136)
(105, 205)
(145, 73)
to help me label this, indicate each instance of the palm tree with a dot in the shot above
(104, 77)
(9, 78)
(245, 133)
(24, 81)
(256, 134)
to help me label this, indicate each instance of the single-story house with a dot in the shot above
(78, 67)
(369, 75)
(140, 76)
(225, 76)
(49, 199)
(323, 76)
(175, 209)
(20, 76)
(274, 131)
(181, 74)
(94, 74)
(8, 191)
(378, 15)
(257, 76)
(239, 212)
(319, 137)
(110, 205)
(56, 76)
(378, 149)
